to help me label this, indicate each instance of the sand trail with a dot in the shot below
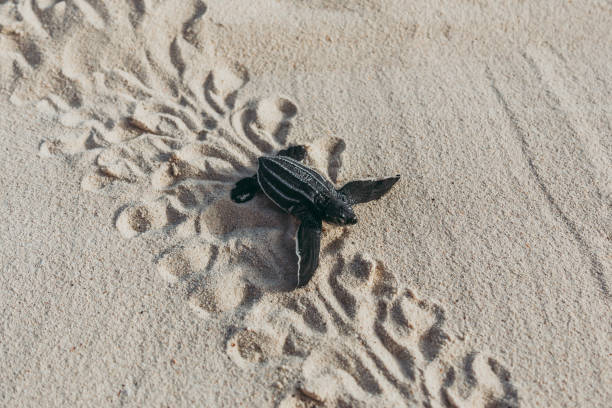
(162, 108)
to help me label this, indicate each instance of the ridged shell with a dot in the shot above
(290, 184)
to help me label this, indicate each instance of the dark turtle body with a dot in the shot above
(306, 194)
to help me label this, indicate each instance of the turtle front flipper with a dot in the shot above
(245, 189)
(295, 152)
(307, 246)
(362, 191)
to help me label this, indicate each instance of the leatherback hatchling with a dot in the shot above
(307, 195)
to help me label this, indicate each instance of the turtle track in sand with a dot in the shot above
(359, 338)
(167, 128)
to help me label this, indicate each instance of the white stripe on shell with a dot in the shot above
(316, 176)
(283, 182)
(273, 187)
(270, 197)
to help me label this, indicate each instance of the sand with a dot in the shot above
(129, 278)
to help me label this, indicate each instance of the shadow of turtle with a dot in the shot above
(240, 253)
(262, 239)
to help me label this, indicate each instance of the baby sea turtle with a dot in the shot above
(304, 193)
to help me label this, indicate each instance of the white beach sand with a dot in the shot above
(128, 277)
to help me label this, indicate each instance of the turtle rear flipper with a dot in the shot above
(308, 245)
(362, 191)
(295, 152)
(245, 189)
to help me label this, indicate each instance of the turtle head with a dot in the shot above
(338, 211)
